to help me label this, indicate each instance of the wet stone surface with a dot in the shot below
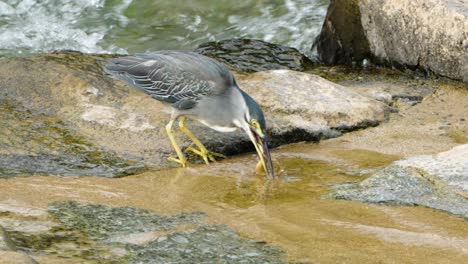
(101, 222)
(399, 185)
(249, 55)
(69, 118)
(207, 244)
(103, 234)
(34, 142)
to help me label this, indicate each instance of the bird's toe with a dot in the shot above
(182, 162)
(206, 155)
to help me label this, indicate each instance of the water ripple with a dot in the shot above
(121, 26)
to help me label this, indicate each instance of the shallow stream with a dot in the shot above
(288, 216)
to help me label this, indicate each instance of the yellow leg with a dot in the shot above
(201, 151)
(170, 133)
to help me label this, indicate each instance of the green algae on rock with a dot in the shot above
(35, 142)
(206, 244)
(5, 241)
(101, 222)
(103, 234)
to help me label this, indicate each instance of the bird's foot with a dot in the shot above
(182, 162)
(206, 155)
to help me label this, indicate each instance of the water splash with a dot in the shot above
(42, 26)
(297, 25)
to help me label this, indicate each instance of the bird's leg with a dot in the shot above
(170, 133)
(201, 151)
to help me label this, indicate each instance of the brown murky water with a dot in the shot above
(287, 213)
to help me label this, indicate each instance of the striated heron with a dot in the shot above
(199, 88)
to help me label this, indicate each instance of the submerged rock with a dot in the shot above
(430, 35)
(61, 115)
(101, 222)
(439, 182)
(207, 244)
(95, 233)
(250, 55)
(5, 241)
(8, 253)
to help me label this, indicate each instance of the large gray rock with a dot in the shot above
(429, 34)
(296, 101)
(61, 115)
(439, 182)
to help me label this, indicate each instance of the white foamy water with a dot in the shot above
(122, 26)
(297, 27)
(47, 25)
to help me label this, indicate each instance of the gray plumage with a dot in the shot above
(184, 79)
(172, 77)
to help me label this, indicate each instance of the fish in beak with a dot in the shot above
(260, 142)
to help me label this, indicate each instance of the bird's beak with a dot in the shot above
(260, 142)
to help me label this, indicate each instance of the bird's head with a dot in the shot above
(255, 127)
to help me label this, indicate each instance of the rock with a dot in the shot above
(207, 244)
(37, 142)
(450, 167)
(8, 252)
(102, 222)
(67, 118)
(389, 92)
(430, 35)
(299, 103)
(342, 39)
(5, 241)
(61, 115)
(100, 233)
(439, 182)
(249, 55)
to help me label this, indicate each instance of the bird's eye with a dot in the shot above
(254, 123)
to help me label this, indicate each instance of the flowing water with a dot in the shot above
(130, 26)
(287, 214)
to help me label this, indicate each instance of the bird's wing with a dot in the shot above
(179, 78)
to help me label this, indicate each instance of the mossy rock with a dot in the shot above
(99, 234)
